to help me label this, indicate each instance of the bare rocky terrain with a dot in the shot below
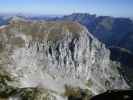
(54, 60)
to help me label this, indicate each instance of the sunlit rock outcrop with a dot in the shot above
(58, 59)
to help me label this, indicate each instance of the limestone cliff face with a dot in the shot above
(58, 57)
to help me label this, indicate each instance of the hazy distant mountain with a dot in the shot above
(3, 20)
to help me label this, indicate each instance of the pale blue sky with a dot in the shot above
(100, 7)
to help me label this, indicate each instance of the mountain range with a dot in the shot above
(74, 56)
(112, 31)
(109, 30)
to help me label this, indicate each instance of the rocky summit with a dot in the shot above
(54, 60)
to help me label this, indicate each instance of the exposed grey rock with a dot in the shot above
(52, 55)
